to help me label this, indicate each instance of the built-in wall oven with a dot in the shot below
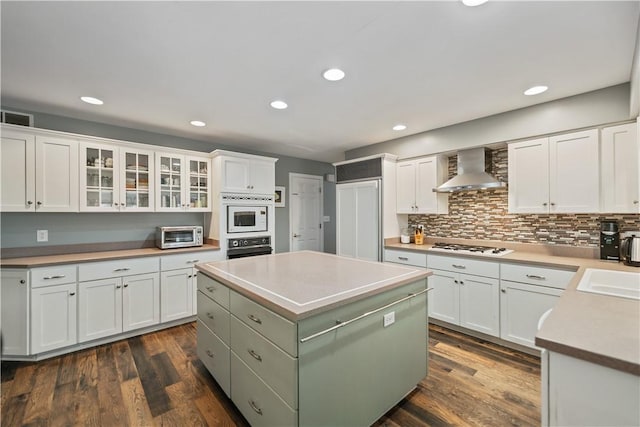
(249, 246)
(247, 219)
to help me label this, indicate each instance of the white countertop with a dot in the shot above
(300, 284)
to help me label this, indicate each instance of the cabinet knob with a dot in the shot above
(71, 294)
(461, 282)
(455, 281)
(635, 202)
(210, 316)
(29, 202)
(545, 204)
(39, 203)
(504, 291)
(126, 285)
(210, 353)
(22, 281)
(122, 204)
(553, 204)
(118, 286)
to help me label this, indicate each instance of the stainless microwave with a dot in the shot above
(247, 219)
(178, 237)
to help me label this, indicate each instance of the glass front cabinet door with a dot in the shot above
(98, 178)
(136, 180)
(183, 183)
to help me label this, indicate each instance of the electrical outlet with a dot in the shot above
(389, 319)
(326, 218)
(42, 236)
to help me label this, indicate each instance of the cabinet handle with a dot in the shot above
(190, 276)
(461, 282)
(39, 203)
(254, 407)
(635, 202)
(61, 276)
(126, 285)
(535, 276)
(545, 204)
(118, 286)
(210, 354)
(29, 202)
(455, 281)
(71, 294)
(115, 205)
(460, 266)
(193, 261)
(22, 281)
(504, 291)
(210, 288)
(403, 258)
(255, 355)
(254, 319)
(210, 316)
(122, 269)
(553, 204)
(362, 316)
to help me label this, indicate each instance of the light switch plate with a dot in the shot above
(389, 319)
(42, 236)
(326, 218)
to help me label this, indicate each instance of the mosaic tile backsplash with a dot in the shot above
(484, 215)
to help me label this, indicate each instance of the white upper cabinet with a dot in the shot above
(99, 180)
(559, 174)
(136, 180)
(415, 182)
(183, 183)
(39, 173)
(619, 160)
(244, 173)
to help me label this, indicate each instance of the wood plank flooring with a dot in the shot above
(158, 380)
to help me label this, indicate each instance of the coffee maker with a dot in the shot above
(609, 240)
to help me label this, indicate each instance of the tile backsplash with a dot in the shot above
(484, 215)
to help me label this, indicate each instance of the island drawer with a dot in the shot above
(260, 405)
(417, 259)
(214, 290)
(544, 276)
(117, 268)
(215, 356)
(174, 262)
(464, 265)
(274, 327)
(274, 366)
(214, 316)
(54, 275)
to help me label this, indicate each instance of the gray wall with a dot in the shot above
(595, 108)
(19, 229)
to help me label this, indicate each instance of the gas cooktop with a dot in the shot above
(471, 249)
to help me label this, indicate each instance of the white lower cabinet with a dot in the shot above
(53, 317)
(14, 298)
(468, 300)
(521, 305)
(176, 294)
(120, 304)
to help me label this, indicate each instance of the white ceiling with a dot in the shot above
(158, 65)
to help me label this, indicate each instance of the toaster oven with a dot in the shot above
(178, 237)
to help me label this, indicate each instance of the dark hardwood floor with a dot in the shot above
(158, 380)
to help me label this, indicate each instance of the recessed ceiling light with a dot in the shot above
(399, 127)
(91, 100)
(197, 123)
(279, 105)
(535, 90)
(472, 3)
(333, 74)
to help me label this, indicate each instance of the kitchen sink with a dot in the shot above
(608, 282)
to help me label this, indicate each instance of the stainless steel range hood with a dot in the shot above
(472, 175)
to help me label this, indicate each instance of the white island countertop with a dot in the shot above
(297, 285)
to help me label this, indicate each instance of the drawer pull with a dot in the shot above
(210, 353)
(193, 261)
(403, 258)
(122, 269)
(210, 288)
(362, 316)
(535, 276)
(61, 276)
(254, 407)
(462, 267)
(255, 355)
(210, 316)
(254, 319)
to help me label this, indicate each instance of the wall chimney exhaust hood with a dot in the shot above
(472, 175)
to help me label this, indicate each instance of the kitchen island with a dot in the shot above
(308, 338)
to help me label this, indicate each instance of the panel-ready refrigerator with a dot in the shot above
(358, 225)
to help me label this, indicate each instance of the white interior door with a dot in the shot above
(305, 213)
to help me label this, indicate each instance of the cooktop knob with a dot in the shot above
(245, 243)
